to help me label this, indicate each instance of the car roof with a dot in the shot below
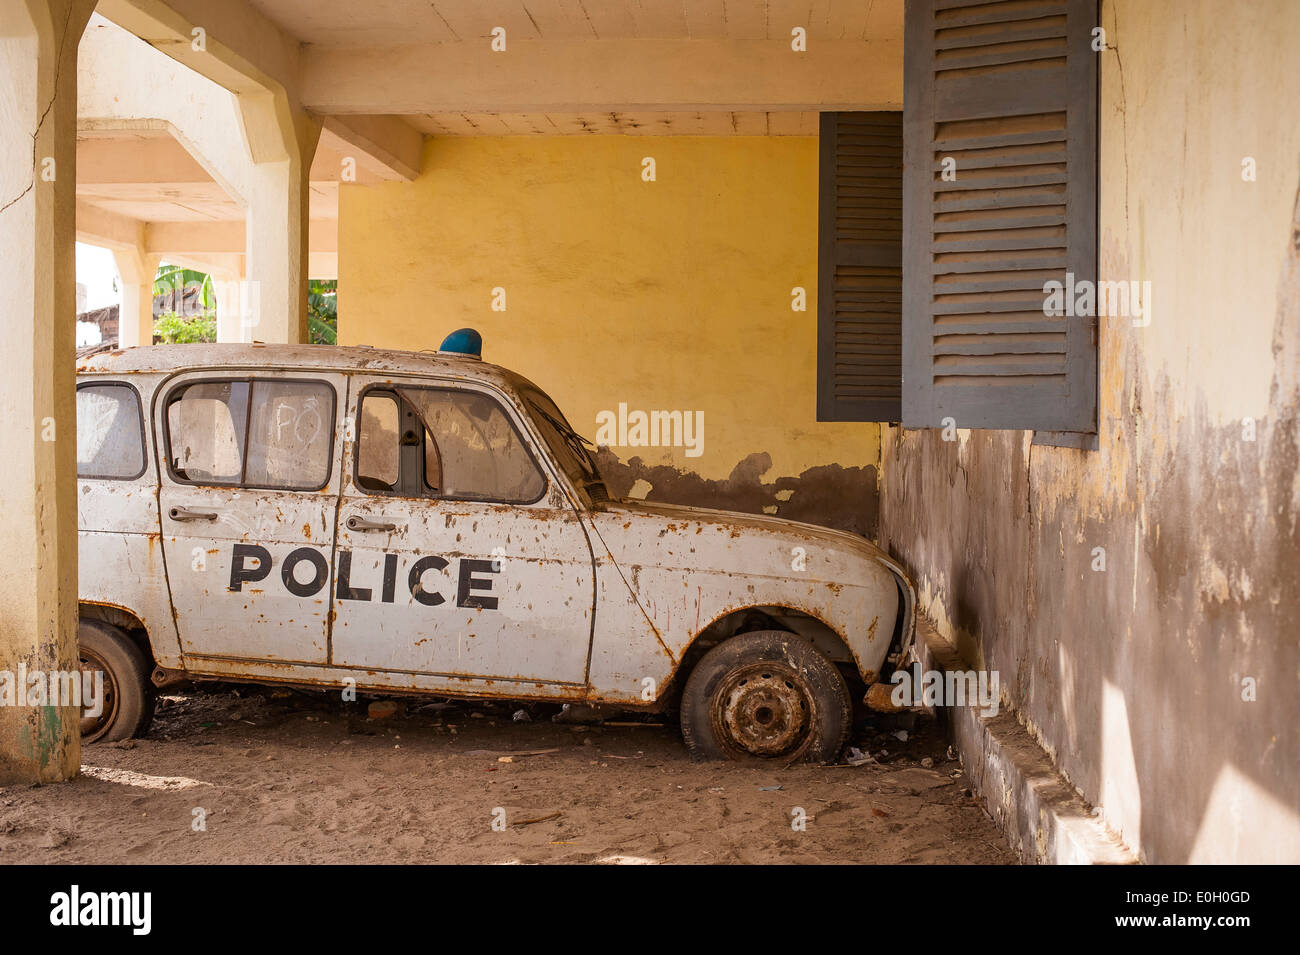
(189, 357)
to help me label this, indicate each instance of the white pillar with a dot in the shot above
(227, 285)
(279, 218)
(135, 317)
(38, 176)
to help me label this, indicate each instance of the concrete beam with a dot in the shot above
(38, 461)
(568, 76)
(271, 128)
(171, 239)
(239, 48)
(127, 87)
(96, 226)
(156, 159)
(234, 46)
(385, 145)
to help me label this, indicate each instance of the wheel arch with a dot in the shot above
(741, 620)
(124, 619)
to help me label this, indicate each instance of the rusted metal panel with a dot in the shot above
(456, 588)
(688, 567)
(124, 571)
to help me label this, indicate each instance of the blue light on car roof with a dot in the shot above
(465, 342)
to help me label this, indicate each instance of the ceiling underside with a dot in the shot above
(347, 23)
(719, 123)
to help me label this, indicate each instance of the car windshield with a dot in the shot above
(568, 447)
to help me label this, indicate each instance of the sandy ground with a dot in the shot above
(284, 777)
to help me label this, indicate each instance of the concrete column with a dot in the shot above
(227, 284)
(279, 219)
(38, 176)
(135, 317)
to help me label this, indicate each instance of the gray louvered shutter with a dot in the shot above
(859, 267)
(1009, 91)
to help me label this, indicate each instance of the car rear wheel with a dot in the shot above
(128, 696)
(766, 695)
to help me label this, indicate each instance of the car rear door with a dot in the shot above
(458, 554)
(248, 496)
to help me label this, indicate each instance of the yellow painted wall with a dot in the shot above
(672, 294)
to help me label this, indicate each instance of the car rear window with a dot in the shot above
(263, 433)
(110, 432)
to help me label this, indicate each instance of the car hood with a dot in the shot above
(704, 541)
(759, 524)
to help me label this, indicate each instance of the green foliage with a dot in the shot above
(176, 329)
(178, 326)
(175, 279)
(322, 312)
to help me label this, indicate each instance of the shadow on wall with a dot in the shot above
(830, 495)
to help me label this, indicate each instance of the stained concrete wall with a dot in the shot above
(1136, 678)
(672, 294)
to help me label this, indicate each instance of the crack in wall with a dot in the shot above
(40, 123)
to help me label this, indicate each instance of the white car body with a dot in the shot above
(568, 597)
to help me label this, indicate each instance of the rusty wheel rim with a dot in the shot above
(763, 710)
(94, 727)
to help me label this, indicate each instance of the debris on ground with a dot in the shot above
(855, 757)
(381, 709)
(577, 713)
(505, 755)
(529, 822)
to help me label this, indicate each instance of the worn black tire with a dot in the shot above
(766, 695)
(128, 692)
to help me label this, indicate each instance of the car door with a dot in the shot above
(248, 494)
(119, 560)
(458, 554)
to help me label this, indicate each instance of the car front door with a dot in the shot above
(248, 494)
(458, 556)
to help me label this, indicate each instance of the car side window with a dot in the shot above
(378, 454)
(444, 443)
(110, 432)
(261, 432)
(480, 454)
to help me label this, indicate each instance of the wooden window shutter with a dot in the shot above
(1008, 91)
(859, 267)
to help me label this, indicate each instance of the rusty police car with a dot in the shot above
(431, 524)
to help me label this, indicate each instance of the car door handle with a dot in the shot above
(187, 514)
(355, 523)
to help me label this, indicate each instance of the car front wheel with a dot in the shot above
(766, 695)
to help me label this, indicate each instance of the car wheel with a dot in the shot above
(766, 695)
(128, 696)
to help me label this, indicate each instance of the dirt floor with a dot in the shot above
(248, 775)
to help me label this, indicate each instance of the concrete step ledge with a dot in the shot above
(1045, 818)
